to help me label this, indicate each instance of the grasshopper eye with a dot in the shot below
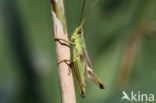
(79, 31)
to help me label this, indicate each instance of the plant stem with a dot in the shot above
(62, 52)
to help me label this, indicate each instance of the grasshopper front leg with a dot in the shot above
(67, 41)
(68, 62)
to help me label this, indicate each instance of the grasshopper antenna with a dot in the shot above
(82, 11)
(84, 19)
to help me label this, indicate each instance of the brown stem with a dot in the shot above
(62, 52)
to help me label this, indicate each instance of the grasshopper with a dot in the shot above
(80, 59)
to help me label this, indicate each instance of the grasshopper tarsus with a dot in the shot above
(64, 40)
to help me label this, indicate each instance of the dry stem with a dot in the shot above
(62, 52)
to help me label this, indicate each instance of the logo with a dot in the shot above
(137, 97)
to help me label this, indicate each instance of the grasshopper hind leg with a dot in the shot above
(80, 86)
(82, 94)
(72, 64)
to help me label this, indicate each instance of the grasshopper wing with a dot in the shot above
(90, 75)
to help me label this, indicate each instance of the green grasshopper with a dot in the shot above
(80, 59)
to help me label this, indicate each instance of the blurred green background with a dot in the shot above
(121, 42)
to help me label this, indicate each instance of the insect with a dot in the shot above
(80, 59)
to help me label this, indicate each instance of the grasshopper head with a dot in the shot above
(79, 31)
